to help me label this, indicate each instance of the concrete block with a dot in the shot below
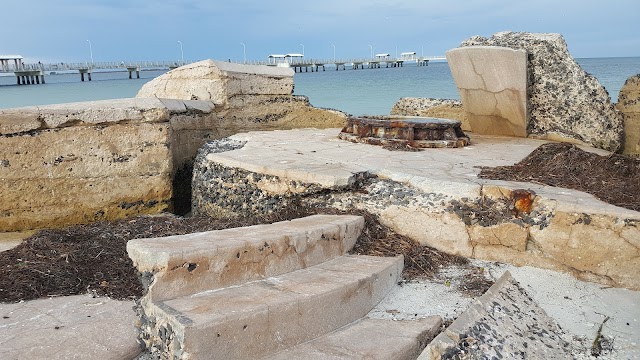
(191, 263)
(219, 82)
(565, 103)
(492, 82)
(629, 105)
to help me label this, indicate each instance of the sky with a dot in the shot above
(146, 30)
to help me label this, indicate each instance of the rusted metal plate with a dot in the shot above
(412, 131)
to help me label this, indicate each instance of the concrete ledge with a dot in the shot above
(20, 120)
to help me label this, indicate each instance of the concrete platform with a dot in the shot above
(69, 327)
(371, 339)
(318, 156)
(434, 197)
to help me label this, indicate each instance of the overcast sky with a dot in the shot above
(119, 30)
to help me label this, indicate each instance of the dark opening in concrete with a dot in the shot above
(182, 189)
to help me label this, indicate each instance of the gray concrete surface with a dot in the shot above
(69, 327)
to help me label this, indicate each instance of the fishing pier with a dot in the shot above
(300, 64)
(30, 74)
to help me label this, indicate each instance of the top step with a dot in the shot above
(188, 264)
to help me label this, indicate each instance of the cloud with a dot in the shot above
(145, 29)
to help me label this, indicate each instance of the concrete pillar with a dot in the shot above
(137, 73)
(28, 80)
(18, 79)
(37, 79)
(42, 79)
(81, 76)
(89, 75)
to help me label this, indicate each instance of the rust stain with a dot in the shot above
(522, 201)
(413, 132)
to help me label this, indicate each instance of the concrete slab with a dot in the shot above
(504, 323)
(492, 82)
(578, 307)
(70, 327)
(372, 339)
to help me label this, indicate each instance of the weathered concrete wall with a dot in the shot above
(629, 105)
(492, 82)
(429, 107)
(565, 103)
(102, 160)
(77, 163)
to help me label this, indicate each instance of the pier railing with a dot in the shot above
(104, 65)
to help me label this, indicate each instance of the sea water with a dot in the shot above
(357, 92)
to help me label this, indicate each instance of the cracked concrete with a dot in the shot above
(492, 82)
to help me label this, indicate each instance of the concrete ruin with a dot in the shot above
(102, 160)
(526, 84)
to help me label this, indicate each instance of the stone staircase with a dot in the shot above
(283, 290)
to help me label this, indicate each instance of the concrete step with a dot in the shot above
(262, 317)
(181, 265)
(372, 339)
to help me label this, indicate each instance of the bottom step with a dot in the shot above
(368, 339)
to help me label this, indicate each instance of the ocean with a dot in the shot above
(357, 92)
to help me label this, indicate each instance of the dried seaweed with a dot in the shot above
(92, 258)
(614, 179)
